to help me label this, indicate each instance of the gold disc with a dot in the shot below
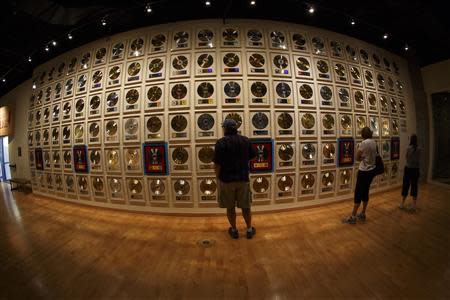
(208, 186)
(260, 184)
(285, 183)
(308, 181)
(308, 121)
(285, 152)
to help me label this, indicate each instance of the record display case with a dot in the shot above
(147, 106)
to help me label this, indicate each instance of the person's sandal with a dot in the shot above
(349, 220)
(361, 217)
(233, 233)
(251, 233)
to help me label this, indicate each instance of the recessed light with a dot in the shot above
(311, 10)
(385, 36)
(69, 36)
(253, 3)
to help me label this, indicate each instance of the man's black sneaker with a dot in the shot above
(251, 233)
(233, 233)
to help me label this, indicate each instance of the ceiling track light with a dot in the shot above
(406, 47)
(385, 36)
(54, 43)
(252, 3)
(69, 36)
(47, 48)
(207, 3)
(3, 79)
(352, 22)
(29, 59)
(103, 21)
(148, 8)
(34, 86)
(311, 10)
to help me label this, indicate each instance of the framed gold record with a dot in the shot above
(258, 92)
(97, 79)
(80, 108)
(345, 179)
(48, 94)
(278, 39)
(179, 124)
(327, 181)
(337, 49)
(205, 64)
(117, 51)
(285, 186)
(135, 189)
(205, 93)
(355, 75)
(284, 124)
(158, 42)
(179, 94)
(231, 62)
(402, 106)
(114, 75)
(365, 57)
(395, 127)
(98, 185)
(57, 91)
(352, 53)
(181, 188)
(372, 101)
(303, 67)
(232, 92)
(67, 158)
(307, 123)
(261, 187)
(305, 94)
(385, 127)
(47, 158)
(205, 37)
(132, 159)
(376, 59)
(100, 55)
(299, 41)
(134, 71)
(113, 102)
(113, 160)
(70, 184)
(323, 69)
(386, 64)
(328, 124)
(308, 154)
(369, 78)
(131, 129)
(56, 113)
(111, 130)
(49, 181)
(207, 186)
(399, 86)
(133, 99)
(260, 124)
(328, 153)
(326, 96)
(205, 156)
(257, 64)
(254, 37)
(79, 133)
(68, 87)
(393, 105)
(307, 184)
(180, 157)
(83, 187)
(386, 149)
(158, 190)
(180, 65)
(285, 155)
(59, 185)
(66, 134)
(283, 93)
(85, 60)
(61, 69)
(390, 84)
(359, 100)
(374, 125)
(181, 39)
(230, 37)
(360, 123)
(116, 188)
(206, 125)
(55, 135)
(319, 46)
(95, 156)
(72, 64)
(154, 95)
(95, 105)
(340, 72)
(345, 124)
(56, 159)
(136, 47)
(380, 79)
(280, 64)
(154, 129)
(155, 68)
(46, 115)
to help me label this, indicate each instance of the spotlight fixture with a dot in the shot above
(385, 36)
(29, 58)
(3, 79)
(406, 47)
(46, 48)
(352, 22)
(34, 85)
(311, 10)
(252, 3)
(69, 36)
(148, 8)
(54, 43)
(207, 3)
(103, 22)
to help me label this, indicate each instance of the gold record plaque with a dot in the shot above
(133, 159)
(134, 71)
(111, 131)
(260, 123)
(158, 43)
(115, 187)
(205, 38)
(258, 92)
(303, 65)
(113, 160)
(346, 125)
(206, 156)
(94, 132)
(328, 153)
(94, 105)
(368, 76)
(326, 95)
(278, 40)
(114, 75)
(283, 92)
(112, 101)
(280, 65)
(180, 158)
(206, 123)
(359, 100)
(285, 155)
(374, 125)
(257, 64)
(117, 51)
(344, 98)
(299, 42)
(132, 99)
(323, 69)
(98, 187)
(155, 68)
(327, 182)
(318, 46)
(345, 179)
(205, 64)
(205, 93)
(340, 72)
(154, 96)
(180, 65)
(308, 154)
(328, 124)
(308, 123)
(336, 49)
(136, 48)
(260, 186)
(131, 129)
(285, 122)
(95, 156)
(254, 38)
(154, 126)
(182, 189)
(181, 40)
(231, 63)
(179, 93)
(135, 188)
(79, 108)
(230, 37)
(232, 91)
(285, 185)
(355, 74)
(83, 185)
(179, 124)
(208, 188)
(157, 189)
(306, 94)
(307, 183)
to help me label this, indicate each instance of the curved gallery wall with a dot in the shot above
(131, 122)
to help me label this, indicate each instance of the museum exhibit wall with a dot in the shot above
(436, 79)
(18, 102)
(119, 105)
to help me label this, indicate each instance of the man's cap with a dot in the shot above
(229, 123)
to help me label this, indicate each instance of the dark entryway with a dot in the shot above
(441, 119)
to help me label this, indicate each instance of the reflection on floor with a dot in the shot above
(53, 249)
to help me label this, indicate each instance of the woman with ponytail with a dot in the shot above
(411, 172)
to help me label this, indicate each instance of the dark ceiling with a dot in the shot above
(27, 26)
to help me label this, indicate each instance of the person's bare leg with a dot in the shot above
(364, 207)
(355, 209)
(414, 205)
(247, 214)
(231, 214)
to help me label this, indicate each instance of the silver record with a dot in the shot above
(131, 126)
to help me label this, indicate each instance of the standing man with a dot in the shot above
(231, 160)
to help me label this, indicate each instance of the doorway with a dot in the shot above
(5, 171)
(441, 120)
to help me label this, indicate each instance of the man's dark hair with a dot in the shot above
(230, 130)
(366, 133)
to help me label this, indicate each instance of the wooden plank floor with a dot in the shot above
(57, 250)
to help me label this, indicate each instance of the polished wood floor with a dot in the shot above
(57, 250)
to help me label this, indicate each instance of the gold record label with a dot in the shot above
(326, 93)
(322, 66)
(132, 96)
(345, 176)
(328, 150)
(254, 35)
(360, 122)
(283, 90)
(158, 40)
(181, 187)
(134, 69)
(208, 186)
(303, 64)
(100, 54)
(95, 157)
(97, 76)
(308, 181)
(113, 158)
(339, 69)
(66, 133)
(306, 91)
(206, 155)
(231, 60)
(154, 93)
(258, 89)
(285, 120)
(157, 187)
(181, 37)
(308, 121)
(257, 60)
(359, 97)
(137, 45)
(156, 65)
(346, 122)
(94, 102)
(285, 152)
(114, 73)
(179, 91)
(205, 60)
(327, 179)
(134, 186)
(83, 184)
(154, 124)
(115, 185)
(232, 89)
(112, 99)
(355, 73)
(344, 95)
(131, 126)
(180, 155)
(205, 90)
(67, 157)
(260, 120)
(180, 62)
(328, 121)
(368, 76)
(79, 106)
(280, 61)
(205, 35)
(230, 34)
(236, 117)
(98, 184)
(260, 184)
(79, 130)
(205, 122)
(308, 151)
(132, 157)
(94, 129)
(285, 183)
(178, 123)
(117, 49)
(111, 128)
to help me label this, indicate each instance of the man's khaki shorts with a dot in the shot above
(232, 194)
